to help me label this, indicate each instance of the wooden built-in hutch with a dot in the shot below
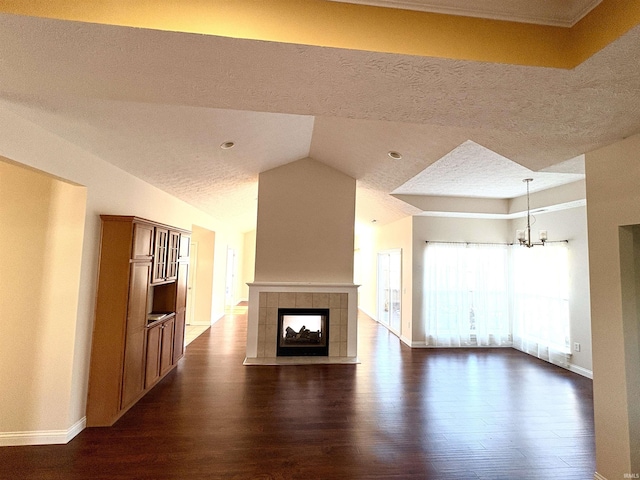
(138, 335)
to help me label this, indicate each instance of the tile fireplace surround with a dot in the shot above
(266, 297)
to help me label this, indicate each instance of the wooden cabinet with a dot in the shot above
(142, 241)
(159, 358)
(182, 288)
(181, 310)
(166, 346)
(133, 373)
(172, 256)
(141, 275)
(161, 243)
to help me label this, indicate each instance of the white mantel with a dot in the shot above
(341, 298)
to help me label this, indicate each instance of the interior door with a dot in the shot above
(191, 285)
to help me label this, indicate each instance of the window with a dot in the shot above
(466, 294)
(485, 295)
(541, 301)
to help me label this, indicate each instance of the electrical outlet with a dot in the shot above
(576, 347)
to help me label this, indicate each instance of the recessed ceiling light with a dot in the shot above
(227, 145)
(395, 155)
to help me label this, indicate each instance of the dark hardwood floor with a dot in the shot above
(400, 414)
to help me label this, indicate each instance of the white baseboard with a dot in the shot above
(597, 476)
(372, 316)
(76, 428)
(580, 371)
(45, 437)
(424, 345)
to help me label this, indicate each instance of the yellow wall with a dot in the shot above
(358, 27)
(42, 224)
(109, 190)
(204, 269)
(613, 206)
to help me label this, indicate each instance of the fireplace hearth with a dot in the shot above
(303, 332)
(339, 331)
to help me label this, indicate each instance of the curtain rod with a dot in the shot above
(481, 243)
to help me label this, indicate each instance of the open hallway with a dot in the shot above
(400, 414)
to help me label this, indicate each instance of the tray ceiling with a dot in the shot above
(561, 13)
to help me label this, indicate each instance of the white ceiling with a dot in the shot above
(561, 13)
(159, 104)
(470, 170)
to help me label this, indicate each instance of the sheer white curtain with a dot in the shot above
(541, 301)
(466, 298)
(491, 294)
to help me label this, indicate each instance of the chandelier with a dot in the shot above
(524, 236)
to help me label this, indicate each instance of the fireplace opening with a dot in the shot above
(303, 332)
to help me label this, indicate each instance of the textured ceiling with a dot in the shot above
(562, 13)
(159, 104)
(471, 170)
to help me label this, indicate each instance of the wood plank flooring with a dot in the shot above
(400, 414)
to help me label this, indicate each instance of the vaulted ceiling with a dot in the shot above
(159, 103)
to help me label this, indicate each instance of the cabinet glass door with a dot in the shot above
(160, 255)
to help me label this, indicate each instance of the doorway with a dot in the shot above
(389, 289)
(201, 269)
(229, 293)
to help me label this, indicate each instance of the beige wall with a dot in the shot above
(42, 220)
(248, 263)
(305, 229)
(109, 191)
(613, 201)
(371, 241)
(203, 275)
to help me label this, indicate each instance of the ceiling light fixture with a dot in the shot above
(524, 236)
(395, 155)
(227, 145)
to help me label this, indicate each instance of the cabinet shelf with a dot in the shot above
(154, 318)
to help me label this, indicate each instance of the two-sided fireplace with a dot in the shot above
(303, 332)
